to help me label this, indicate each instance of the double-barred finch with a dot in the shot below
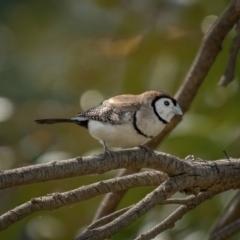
(126, 121)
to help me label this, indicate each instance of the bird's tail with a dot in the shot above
(82, 123)
(54, 120)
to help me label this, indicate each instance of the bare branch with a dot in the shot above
(229, 215)
(226, 232)
(226, 155)
(185, 179)
(111, 200)
(79, 166)
(181, 201)
(57, 200)
(165, 190)
(221, 175)
(104, 220)
(168, 223)
(228, 75)
(221, 170)
(190, 203)
(98, 164)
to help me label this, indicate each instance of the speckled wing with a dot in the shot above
(116, 110)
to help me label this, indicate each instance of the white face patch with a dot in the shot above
(164, 109)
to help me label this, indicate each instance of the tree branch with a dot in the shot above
(228, 75)
(165, 190)
(57, 200)
(226, 232)
(189, 203)
(182, 175)
(106, 219)
(111, 200)
(98, 164)
(229, 215)
(80, 166)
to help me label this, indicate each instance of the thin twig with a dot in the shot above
(166, 189)
(226, 155)
(228, 75)
(104, 220)
(226, 232)
(111, 200)
(210, 47)
(169, 222)
(229, 215)
(181, 201)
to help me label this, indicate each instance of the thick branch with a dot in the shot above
(70, 168)
(184, 175)
(210, 172)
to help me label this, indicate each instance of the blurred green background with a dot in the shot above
(58, 58)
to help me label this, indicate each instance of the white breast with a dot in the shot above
(120, 136)
(125, 135)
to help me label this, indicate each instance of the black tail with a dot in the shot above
(83, 123)
(53, 120)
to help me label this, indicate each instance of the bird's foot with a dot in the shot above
(142, 147)
(108, 153)
(192, 158)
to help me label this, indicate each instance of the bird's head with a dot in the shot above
(165, 107)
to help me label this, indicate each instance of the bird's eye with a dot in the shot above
(166, 103)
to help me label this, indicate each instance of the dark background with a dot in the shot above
(58, 58)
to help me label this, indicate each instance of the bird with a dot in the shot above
(126, 121)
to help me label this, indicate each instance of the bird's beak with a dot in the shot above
(177, 110)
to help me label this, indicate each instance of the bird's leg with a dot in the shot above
(106, 150)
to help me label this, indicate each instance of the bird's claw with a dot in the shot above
(142, 147)
(108, 153)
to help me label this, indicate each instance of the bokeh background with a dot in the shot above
(58, 58)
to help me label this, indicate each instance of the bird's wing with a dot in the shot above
(116, 110)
